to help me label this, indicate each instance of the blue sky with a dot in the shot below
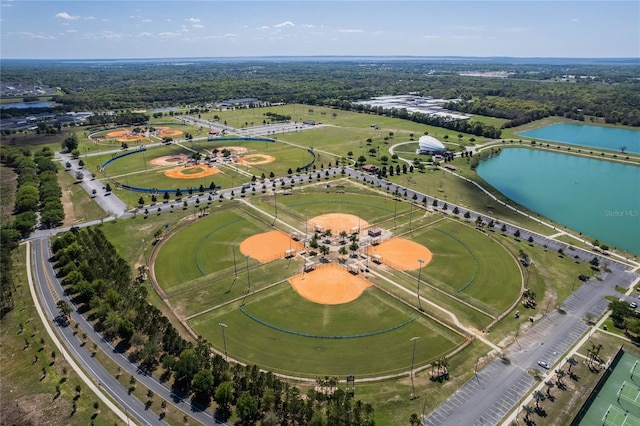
(168, 28)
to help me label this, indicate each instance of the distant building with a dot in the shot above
(241, 103)
(430, 145)
(370, 168)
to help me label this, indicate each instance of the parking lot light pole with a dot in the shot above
(413, 356)
(224, 341)
(235, 268)
(420, 261)
(248, 278)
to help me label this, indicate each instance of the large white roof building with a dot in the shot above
(430, 144)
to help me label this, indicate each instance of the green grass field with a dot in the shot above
(136, 169)
(288, 353)
(206, 285)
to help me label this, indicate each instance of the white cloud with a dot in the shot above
(110, 35)
(168, 20)
(574, 20)
(350, 31)
(145, 34)
(284, 24)
(26, 34)
(72, 31)
(169, 34)
(147, 20)
(264, 27)
(307, 26)
(197, 26)
(193, 20)
(65, 15)
(90, 18)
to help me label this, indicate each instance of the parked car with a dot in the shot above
(544, 365)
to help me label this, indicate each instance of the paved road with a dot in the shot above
(51, 291)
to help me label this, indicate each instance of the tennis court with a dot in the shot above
(618, 417)
(618, 401)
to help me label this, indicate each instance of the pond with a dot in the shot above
(597, 198)
(588, 136)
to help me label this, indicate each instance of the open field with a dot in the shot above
(293, 353)
(203, 271)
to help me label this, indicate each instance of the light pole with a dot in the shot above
(235, 268)
(248, 279)
(224, 341)
(420, 261)
(413, 356)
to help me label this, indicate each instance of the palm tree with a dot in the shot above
(559, 376)
(527, 410)
(549, 385)
(414, 420)
(571, 361)
(538, 396)
(444, 364)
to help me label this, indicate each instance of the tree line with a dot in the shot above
(101, 284)
(38, 191)
(529, 91)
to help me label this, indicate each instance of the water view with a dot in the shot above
(25, 105)
(597, 198)
(589, 136)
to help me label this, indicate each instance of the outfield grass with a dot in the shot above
(196, 268)
(279, 351)
(205, 247)
(137, 169)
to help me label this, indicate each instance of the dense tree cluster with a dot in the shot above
(100, 281)
(38, 189)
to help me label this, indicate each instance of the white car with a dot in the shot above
(544, 365)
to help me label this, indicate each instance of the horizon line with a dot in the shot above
(632, 58)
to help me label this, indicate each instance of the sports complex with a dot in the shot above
(313, 274)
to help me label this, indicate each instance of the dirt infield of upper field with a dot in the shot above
(191, 172)
(126, 135)
(338, 222)
(269, 246)
(170, 160)
(256, 159)
(329, 284)
(401, 254)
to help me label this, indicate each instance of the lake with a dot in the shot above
(597, 198)
(25, 105)
(588, 136)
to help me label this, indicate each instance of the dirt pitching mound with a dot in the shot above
(170, 160)
(329, 285)
(401, 254)
(191, 172)
(256, 159)
(268, 246)
(337, 222)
